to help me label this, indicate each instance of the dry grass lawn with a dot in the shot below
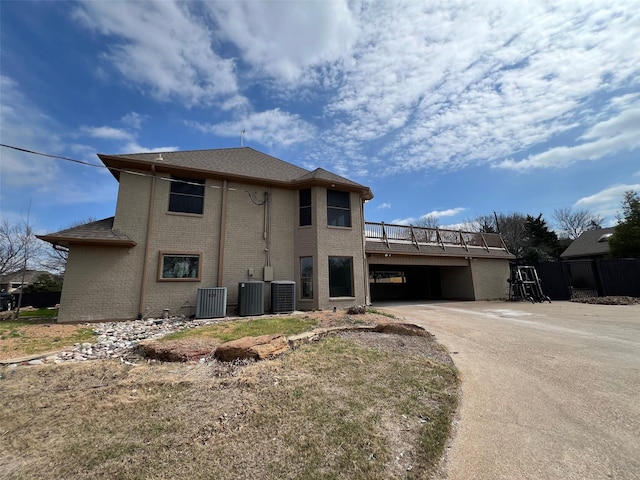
(343, 407)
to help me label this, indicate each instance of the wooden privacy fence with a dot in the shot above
(606, 277)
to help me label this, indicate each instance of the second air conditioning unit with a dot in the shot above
(283, 296)
(250, 298)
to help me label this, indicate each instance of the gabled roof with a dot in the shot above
(592, 243)
(240, 164)
(99, 233)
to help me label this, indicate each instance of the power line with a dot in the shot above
(122, 170)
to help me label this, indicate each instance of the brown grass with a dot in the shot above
(333, 409)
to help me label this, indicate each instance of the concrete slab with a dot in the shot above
(549, 391)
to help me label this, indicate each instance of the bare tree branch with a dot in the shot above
(572, 223)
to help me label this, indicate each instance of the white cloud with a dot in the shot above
(461, 83)
(613, 135)
(25, 126)
(444, 213)
(134, 120)
(268, 128)
(285, 40)
(107, 133)
(607, 202)
(164, 46)
(384, 206)
(434, 214)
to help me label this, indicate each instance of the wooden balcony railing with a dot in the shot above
(418, 236)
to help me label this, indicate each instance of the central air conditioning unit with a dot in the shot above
(211, 302)
(250, 298)
(283, 296)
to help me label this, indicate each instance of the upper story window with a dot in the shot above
(338, 208)
(187, 195)
(305, 207)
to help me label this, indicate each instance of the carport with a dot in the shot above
(416, 263)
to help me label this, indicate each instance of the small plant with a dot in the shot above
(380, 312)
(357, 310)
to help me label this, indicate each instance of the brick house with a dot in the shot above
(215, 218)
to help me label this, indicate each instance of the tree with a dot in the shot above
(541, 243)
(45, 283)
(625, 242)
(19, 248)
(574, 223)
(55, 258)
(428, 221)
(510, 226)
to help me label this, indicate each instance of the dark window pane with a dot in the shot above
(305, 197)
(338, 217)
(336, 198)
(340, 277)
(186, 197)
(189, 188)
(338, 209)
(305, 207)
(306, 276)
(185, 204)
(305, 216)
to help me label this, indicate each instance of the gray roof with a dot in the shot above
(587, 244)
(242, 164)
(100, 232)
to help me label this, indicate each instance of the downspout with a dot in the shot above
(223, 228)
(367, 293)
(143, 283)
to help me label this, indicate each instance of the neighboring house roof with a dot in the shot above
(30, 276)
(592, 243)
(96, 233)
(240, 164)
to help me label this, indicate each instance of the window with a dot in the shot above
(305, 207)
(179, 267)
(340, 277)
(186, 197)
(338, 209)
(306, 277)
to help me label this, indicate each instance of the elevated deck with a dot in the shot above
(409, 240)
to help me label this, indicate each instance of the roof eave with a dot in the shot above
(94, 242)
(116, 164)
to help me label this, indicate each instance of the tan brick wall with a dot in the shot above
(490, 278)
(250, 240)
(177, 232)
(99, 284)
(104, 282)
(97, 274)
(338, 241)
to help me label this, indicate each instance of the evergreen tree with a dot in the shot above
(541, 243)
(625, 242)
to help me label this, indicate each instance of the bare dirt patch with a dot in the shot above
(27, 338)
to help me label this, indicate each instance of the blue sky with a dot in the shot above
(449, 109)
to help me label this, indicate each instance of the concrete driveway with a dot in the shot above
(549, 391)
